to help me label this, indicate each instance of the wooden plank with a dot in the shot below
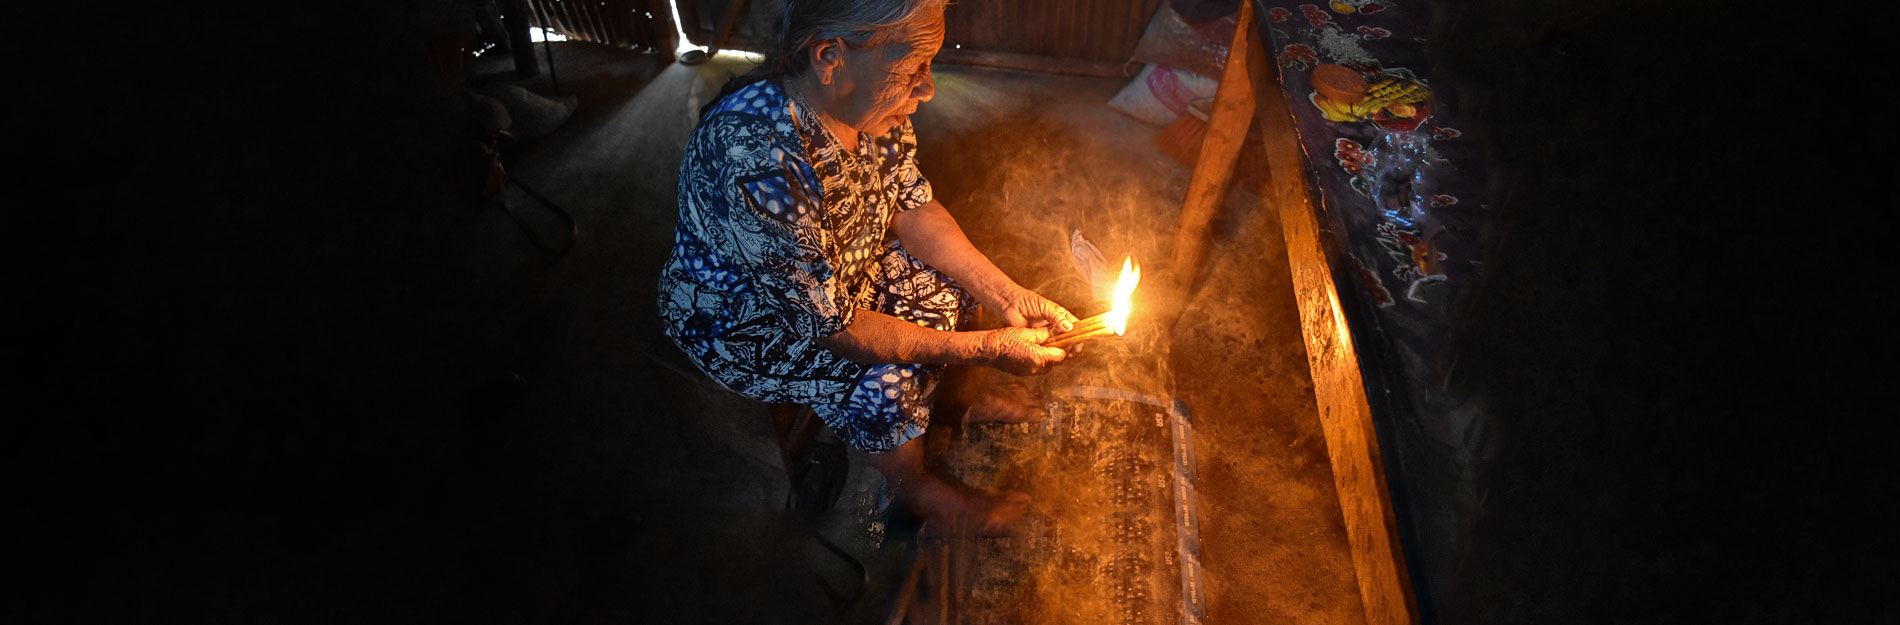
(1385, 588)
(1227, 128)
(518, 19)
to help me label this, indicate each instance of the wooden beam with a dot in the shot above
(1227, 126)
(1385, 588)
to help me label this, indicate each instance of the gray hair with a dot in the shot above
(859, 23)
(804, 23)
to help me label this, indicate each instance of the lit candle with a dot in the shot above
(1115, 321)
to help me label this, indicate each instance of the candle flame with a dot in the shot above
(1117, 319)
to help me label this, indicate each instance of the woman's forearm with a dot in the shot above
(929, 233)
(876, 338)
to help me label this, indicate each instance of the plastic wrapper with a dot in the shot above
(1172, 40)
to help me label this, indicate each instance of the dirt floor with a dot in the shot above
(632, 487)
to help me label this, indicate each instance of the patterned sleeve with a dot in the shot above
(779, 229)
(912, 189)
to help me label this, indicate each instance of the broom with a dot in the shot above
(1181, 139)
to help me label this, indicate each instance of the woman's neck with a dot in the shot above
(818, 97)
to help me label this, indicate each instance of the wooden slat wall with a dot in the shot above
(643, 25)
(1088, 30)
(1089, 37)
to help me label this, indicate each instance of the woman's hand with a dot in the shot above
(1023, 308)
(1019, 351)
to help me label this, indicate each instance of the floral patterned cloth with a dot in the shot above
(783, 234)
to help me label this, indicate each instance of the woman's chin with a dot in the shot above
(884, 126)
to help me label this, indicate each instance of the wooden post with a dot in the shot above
(516, 22)
(1227, 128)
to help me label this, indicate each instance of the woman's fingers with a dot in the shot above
(1020, 351)
(1041, 358)
(1036, 335)
(1024, 308)
(1040, 311)
(1066, 319)
(1057, 315)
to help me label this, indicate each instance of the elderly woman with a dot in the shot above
(813, 266)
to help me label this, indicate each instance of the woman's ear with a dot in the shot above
(827, 58)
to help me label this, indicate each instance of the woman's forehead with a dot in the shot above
(929, 29)
(923, 36)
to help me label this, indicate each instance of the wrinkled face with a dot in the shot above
(884, 83)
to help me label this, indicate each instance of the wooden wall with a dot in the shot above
(644, 25)
(1093, 37)
(1088, 30)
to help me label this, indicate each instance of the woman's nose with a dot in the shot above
(926, 89)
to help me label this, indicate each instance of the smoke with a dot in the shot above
(1026, 162)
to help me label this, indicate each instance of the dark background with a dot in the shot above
(247, 374)
(1680, 332)
(248, 378)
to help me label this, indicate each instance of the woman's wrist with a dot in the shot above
(995, 291)
(976, 347)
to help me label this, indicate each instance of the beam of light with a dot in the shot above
(685, 46)
(679, 29)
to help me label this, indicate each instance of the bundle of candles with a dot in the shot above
(1115, 321)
